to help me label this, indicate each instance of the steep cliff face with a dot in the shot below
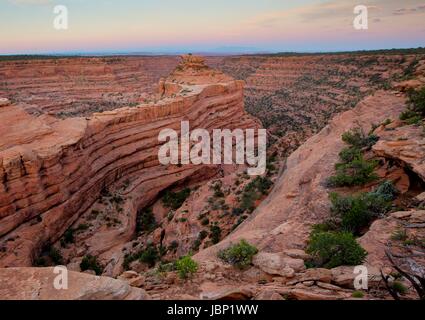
(52, 171)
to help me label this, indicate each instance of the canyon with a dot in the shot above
(80, 172)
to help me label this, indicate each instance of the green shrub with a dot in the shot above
(399, 287)
(56, 256)
(146, 221)
(215, 234)
(357, 138)
(186, 267)
(149, 255)
(174, 200)
(333, 249)
(205, 221)
(400, 235)
(357, 294)
(355, 173)
(68, 236)
(416, 110)
(90, 262)
(417, 100)
(356, 212)
(349, 154)
(387, 191)
(239, 255)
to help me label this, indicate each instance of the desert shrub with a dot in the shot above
(399, 235)
(186, 267)
(90, 262)
(417, 100)
(68, 237)
(149, 256)
(173, 245)
(399, 287)
(407, 114)
(357, 294)
(333, 249)
(248, 200)
(240, 255)
(416, 110)
(356, 212)
(357, 172)
(215, 233)
(357, 138)
(203, 234)
(205, 221)
(56, 256)
(237, 211)
(349, 154)
(196, 244)
(146, 221)
(174, 200)
(387, 191)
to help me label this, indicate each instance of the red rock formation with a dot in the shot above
(52, 171)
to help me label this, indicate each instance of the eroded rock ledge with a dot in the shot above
(52, 170)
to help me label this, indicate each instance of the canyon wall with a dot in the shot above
(53, 170)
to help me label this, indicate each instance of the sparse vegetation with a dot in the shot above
(353, 213)
(174, 200)
(90, 262)
(146, 221)
(357, 294)
(215, 233)
(354, 169)
(239, 255)
(416, 109)
(186, 267)
(333, 249)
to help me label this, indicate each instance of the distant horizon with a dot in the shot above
(206, 53)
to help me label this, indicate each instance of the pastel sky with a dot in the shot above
(113, 26)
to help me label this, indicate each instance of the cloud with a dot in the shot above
(404, 11)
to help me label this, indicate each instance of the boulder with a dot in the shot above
(4, 102)
(277, 264)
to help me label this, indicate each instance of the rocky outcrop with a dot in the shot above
(38, 284)
(405, 144)
(52, 171)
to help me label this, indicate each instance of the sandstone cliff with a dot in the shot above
(52, 171)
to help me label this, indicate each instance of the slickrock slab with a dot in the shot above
(38, 284)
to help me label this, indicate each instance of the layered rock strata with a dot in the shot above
(52, 171)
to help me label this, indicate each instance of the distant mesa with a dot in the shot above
(193, 70)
